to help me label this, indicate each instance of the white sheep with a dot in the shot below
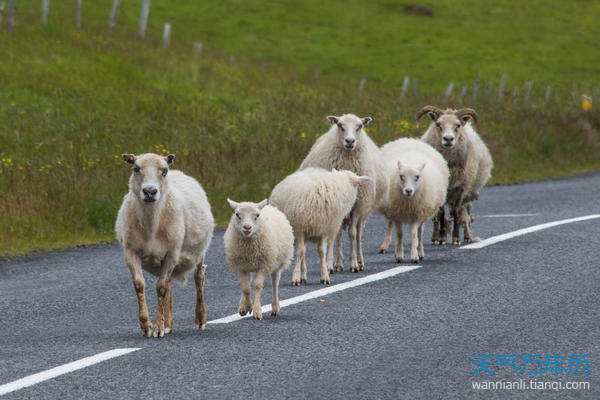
(346, 146)
(315, 201)
(418, 176)
(165, 227)
(470, 164)
(259, 239)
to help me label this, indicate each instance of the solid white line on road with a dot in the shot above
(62, 369)
(324, 292)
(535, 228)
(505, 215)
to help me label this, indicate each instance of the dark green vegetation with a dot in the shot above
(71, 101)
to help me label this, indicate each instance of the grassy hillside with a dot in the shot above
(71, 101)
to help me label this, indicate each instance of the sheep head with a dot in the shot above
(148, 179)
(246, 217)
(448, 123)
(350, 129)
(410, 178)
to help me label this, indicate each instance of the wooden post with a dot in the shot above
(528, 86)
(415, 86)
(45, 9)
(316, 74)
(515, 95)
(198, 47)
(595, 98)
(476, 87)
(361, 86)
(488, 90)
(231, 59)
(502, 87)
(1, 12)
(463, 93)
(10, 14)
(405, 86)
(167, 35)
(78, 14)
(448, 92)
(112, 22)
(144, 19)
(548, 94)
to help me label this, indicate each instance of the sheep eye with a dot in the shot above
(416, 177)
(237, 215)
(136, 169)
(359, 128)
(402, 177)
(457, 126)
(164, 172)
(256, 216)
(341, 127)
(438, 126)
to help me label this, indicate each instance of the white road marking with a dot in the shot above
(63, 369)
(535, 228)
(324, 292)
(505, 215)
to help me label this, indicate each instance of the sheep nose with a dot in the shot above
(150, 191)
(350, 140)
(448, 138)
(247, 227)
(408, 191)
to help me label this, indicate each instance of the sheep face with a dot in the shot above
(349, 129)
(448, 127)
(246, 218)
(148, 180)
(409, 178)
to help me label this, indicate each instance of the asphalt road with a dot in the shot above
(410, 336)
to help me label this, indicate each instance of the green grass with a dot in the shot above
(71, 101)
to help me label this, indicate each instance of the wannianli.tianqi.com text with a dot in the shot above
(529, 384)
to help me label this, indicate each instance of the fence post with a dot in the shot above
(316, 74)
(462, 95)
(548, 94)
(78, 14)
(167, 35)
(10, 15)
(595, 98)
(1, 13)
(198, 47)
(112, 22)
(415, 87)
(405, 86)
(144, 19)
(476, 87)
(502, 86)
(361, 85)
(45, 10)
(448, 92)
(488, 90)
(515, 95)
(528, 86)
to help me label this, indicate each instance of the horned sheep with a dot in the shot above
(165, 226)
(346, 146)
(315, 201)
(259, 240)
(418, 176)
(470, 164)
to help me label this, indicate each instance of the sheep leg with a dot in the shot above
(275, 284)
(421, 252)
(399, 249)
(134, 263)
(352, 233)
(414, 242)
(162, 292)
(361, 259)
(330, 251)
(259, 280)
(388, 238)
(323, 255)
(339, 258)
(245, 305)
(200, 307)
(169, 309)
(300, 255)
(439, 227)
(457, 216)
(467, 218)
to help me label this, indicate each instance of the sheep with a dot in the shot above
(346, 146)
(259, 239)
(315, 201)
(470, 164)
(165, 226)
(418, 176)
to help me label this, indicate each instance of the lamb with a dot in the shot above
(470, 164)
(165, 226)
(259, 239)
(418, 176)
(315, 201)
(346, 146)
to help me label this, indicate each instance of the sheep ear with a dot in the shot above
(421, 167)
(233, 204)
(262, 204)
(128, 158)
(464, 119)
(332, 119)
(170, 158)
(367, 120)
(361, 180)
(432, 115)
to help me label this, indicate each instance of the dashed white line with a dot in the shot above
(324, 292)
(535, 228)
(63, 369)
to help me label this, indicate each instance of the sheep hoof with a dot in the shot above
(325, 282)
(258, 315)
(338, 268)
(414, 260)
(382, 251)
(474, 240)
(302, 281)
(200, 327)
(436, 241)
(456, 242)
(273, 314)
(330, 270)
(354, 270)
(295, 283)
(442, 242)
(398, 260)
(147, 331)
(361, 267)
(242, 312)
(167, 331)
(421, 258)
